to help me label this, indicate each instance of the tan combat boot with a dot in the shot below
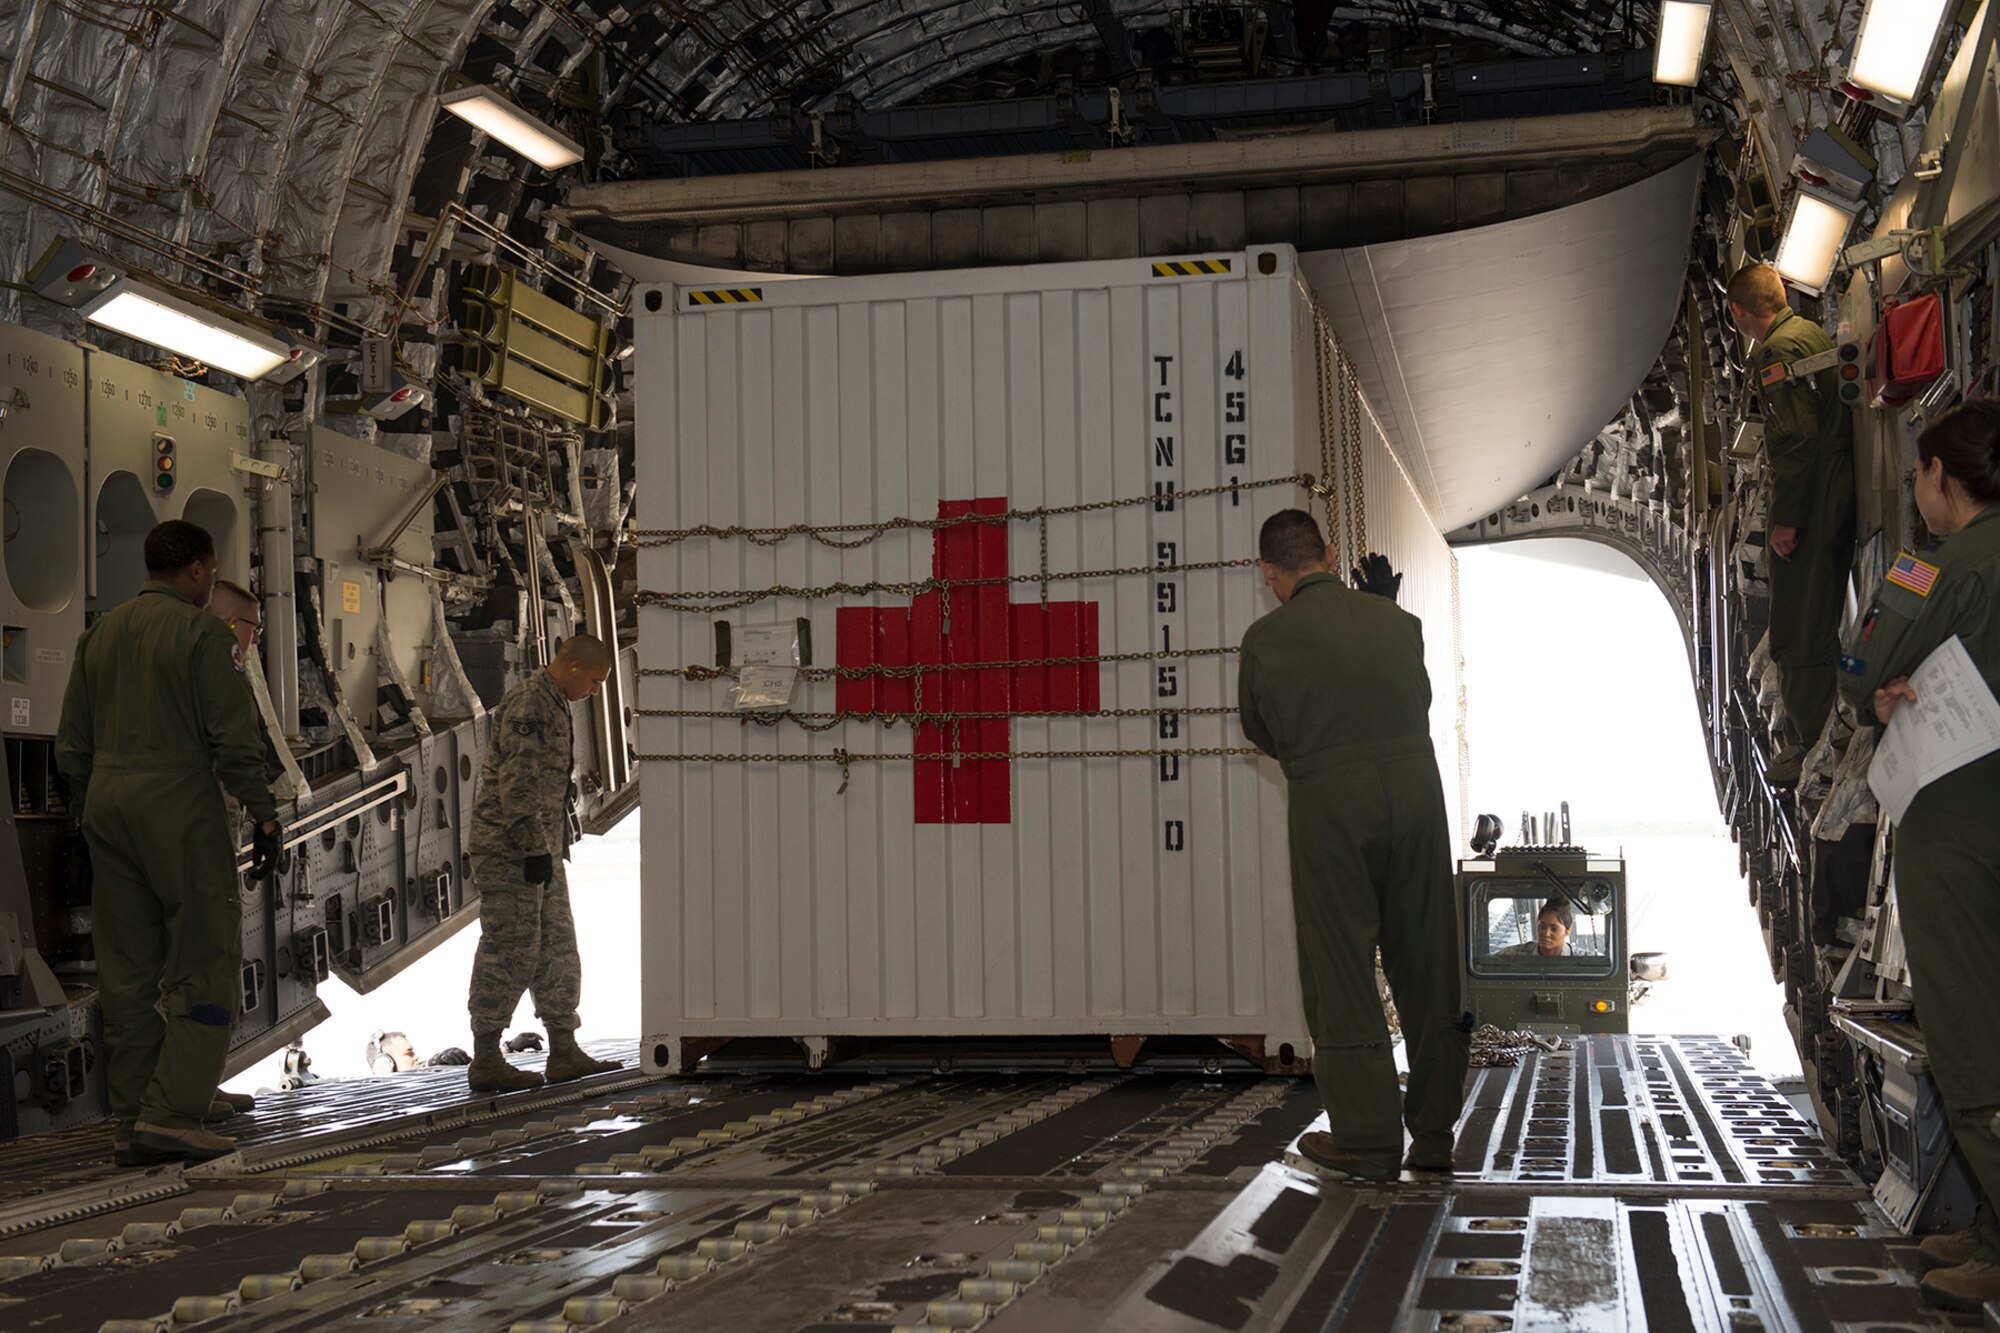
(489, 1070)
(1948, 1249)
(1967, 1287)
(567, 1060)
(151, 1144)
(1329, 1158)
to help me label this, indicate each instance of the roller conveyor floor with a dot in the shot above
(1632, 1183)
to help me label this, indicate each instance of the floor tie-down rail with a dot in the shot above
(1632, 1183)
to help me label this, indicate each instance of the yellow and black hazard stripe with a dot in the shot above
(1189, 268)
(726, 296)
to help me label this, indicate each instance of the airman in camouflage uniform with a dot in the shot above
(519, 839)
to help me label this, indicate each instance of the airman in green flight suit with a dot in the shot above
(1809, 446)
(1947, 846)
(1332, 685)
(154, 715)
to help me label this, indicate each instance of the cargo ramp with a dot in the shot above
(1625, 1183)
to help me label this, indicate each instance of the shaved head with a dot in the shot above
(581, 665)
(231, 599)
(1290, 541)
(1758, 289)
(237, 607)
(586, 652)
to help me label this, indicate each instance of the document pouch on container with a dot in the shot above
(765, 687)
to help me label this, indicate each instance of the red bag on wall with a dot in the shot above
(1906, 351)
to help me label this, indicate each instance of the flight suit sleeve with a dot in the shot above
(1791, 440)
(1417, 632)
(1901, 629)
(229, 720)
(76, 736)
(530, 773)
(1246, 702)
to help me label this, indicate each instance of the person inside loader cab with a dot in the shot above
(1553, 926)
(1947, 847)
(1809, 522)
(1332, 685)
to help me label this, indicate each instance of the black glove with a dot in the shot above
(1374, 575)
(524, 1041)
(265, 849)
(450, 1055)
(540, 869)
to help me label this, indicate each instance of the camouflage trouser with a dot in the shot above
(527, 941)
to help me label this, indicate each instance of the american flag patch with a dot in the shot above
(1912, 573)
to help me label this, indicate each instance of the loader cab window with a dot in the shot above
(1524, 928)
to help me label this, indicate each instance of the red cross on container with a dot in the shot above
(983, 627)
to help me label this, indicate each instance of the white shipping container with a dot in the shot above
(1139, 891)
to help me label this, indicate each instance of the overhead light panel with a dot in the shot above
(73, 274)
(1813, 239)
(1680, 41)
(485, 109)
(302, 357)
(1892, 53)
(1834, 162)
(389, 406)
(149, 315)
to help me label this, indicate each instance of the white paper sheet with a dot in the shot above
(1954, 721)
(765, 687)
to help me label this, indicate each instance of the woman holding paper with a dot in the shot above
(1948, 840)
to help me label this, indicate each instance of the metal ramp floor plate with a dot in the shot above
(1643, 1183)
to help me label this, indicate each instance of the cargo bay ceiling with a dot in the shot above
(288, 156)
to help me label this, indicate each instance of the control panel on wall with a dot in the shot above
(161, 447)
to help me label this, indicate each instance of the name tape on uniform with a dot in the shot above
(1780, 371)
